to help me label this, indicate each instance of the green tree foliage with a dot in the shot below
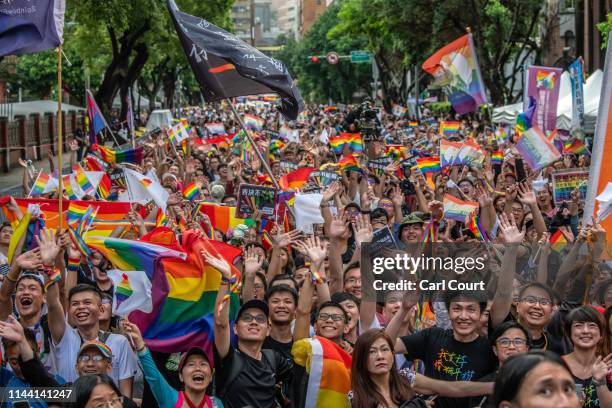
(605, 28)
(321, 81)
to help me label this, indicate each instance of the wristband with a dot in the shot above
(231, 280)
(601, 382)
(9, 278)
(73, 264)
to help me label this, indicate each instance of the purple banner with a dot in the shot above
(543, 84)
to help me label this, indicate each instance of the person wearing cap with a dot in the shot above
(246, 374)
(195, 373)
(411, 229)
(94, 357)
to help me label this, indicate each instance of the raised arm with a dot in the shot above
(252, 264)
(338, 235)
(544, 249)
(316, 253)
(502, 300)
(222, 329)
(304, 307)
(27, 261)
(401, 319)
(528, 198)
(49, 250)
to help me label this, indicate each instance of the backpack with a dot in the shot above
(238, 365)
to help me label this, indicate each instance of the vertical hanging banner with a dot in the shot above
(577, 78)
(543, 84)
(600, 172)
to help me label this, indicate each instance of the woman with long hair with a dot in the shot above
(377, 383)
(591, 361)
(92, 391)
(538, 379)
(195, 373)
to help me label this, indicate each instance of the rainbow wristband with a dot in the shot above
(73, 264)
(231, 280)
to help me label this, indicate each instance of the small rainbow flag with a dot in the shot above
(82, 180)
(458, 210)
(40, 185)
(448, 128)
(575, 147)
(109, 155)
(215, 128)
(558, 241)
(352, 139)
(253, 122)
(276, 145)
(545, 79)
(69, 188)
(449, 153)
(123, 290)
(497, 157)
(295, 179)
(356, 144)
(349, 163)
(397, 152)
(413, 125)
(428, 164)
(191, 191)
(104, 187)
(475, 227)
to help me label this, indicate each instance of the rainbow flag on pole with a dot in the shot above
(295, 179)
(253, 122)
(576, 146)
(458, 210)
(497, 157)
(41, 184)
(191, 191)
(428, 164)
(536, 150)
(109, 155)
(448, 128)
(455, 67)
(82, 180)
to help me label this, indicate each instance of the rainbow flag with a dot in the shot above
(276, 145)
(448, 128)
(428, 164)
(132, 292)
(558, 241)
(545, 79)
(448, 153)
(253, 122)
(82, 180)
(349, 163)
(475, 227)
(93, 163)
(497, 157)
(356, 144)
(458, 210)
(221, 217)
(501, 134)
(184, 294)
(123, 290)
(413, 125)
(397, 152)
(524, 119)
(112, 156)
(20, 229)
(295, 179)
(191, 191)
(106, 211)
(455, 67)
(329, 372)
(161, 219)
(536, 150)
(104, 187)
(40, 185)
(215, 128)
(71, 189)
(353, 140)
(575, 147)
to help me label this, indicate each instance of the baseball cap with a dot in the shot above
(193, 351)
(412, 219)
(97, 346)
(254, 304)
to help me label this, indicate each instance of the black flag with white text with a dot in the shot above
(226, 66)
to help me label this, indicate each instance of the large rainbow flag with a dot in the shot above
(329, 372)
(296, 178)
(108, 213)
(109, 155)
(221, 216)
(455, 67)
(458, 210)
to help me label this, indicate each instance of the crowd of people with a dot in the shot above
(542, 337)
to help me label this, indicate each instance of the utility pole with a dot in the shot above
(252, 10)
(416, 90)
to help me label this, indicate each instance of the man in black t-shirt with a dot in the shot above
(460, 354)
(246, 374)
(282, 302)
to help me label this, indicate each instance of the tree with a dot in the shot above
(320, 81)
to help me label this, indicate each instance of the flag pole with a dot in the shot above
(60, 143)
(264, 163)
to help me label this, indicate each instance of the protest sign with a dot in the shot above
(254, 197)
(566, 181)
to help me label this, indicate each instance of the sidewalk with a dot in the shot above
(11, 182)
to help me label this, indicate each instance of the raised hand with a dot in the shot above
(436, 208)
(510, 231)
(132, 332)
(313, 249)
(363, 229)
(338, 228)
(282, 240)
(73, 145)
(601, 367)
(398, 197)
(219, 264)
(252, 261)
(48, 247)
(11, 330)
(526, 194)
(29, 261)
(483, 196)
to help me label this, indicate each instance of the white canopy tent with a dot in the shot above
(592, 91)
(159, 119)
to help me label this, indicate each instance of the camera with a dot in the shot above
(365, 119)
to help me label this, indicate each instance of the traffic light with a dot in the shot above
(314, 59)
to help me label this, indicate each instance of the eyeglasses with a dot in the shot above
(532, 300)
(326, 316)
(517, 342)
(258, 286)
(261, 319)
(115, 402)
(353, 281)
(95, 358)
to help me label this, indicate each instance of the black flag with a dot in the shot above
(226, 66)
